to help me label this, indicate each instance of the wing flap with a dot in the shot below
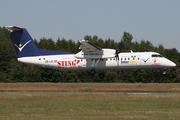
(88, 47)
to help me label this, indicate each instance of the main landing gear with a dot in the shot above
(93, 72)
(93, 65)
(101, 75)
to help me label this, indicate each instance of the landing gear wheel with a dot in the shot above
(164, 72)
(93, 72)
(101, 75)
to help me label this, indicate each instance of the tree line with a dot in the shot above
(13, 71)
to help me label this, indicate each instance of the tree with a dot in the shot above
(126, 41)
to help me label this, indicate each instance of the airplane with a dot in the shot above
(91, 57)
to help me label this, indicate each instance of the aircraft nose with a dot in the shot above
(171, 64)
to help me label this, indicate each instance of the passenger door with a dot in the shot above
(138, 60)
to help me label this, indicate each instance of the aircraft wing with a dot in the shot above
(91, 51)
(88, 47)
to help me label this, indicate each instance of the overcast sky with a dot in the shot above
(155, 20)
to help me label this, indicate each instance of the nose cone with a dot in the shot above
(171, 64)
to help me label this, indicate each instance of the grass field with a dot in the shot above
(84, 102)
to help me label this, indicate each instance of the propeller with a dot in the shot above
(116, 54)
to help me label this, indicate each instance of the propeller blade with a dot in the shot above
(117, 53)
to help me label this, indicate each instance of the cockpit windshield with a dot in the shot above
(156, 55)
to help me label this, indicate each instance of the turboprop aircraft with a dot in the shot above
(91, 57)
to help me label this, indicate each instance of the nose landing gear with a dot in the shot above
(164, 72)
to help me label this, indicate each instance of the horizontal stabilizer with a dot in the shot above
(14, 28)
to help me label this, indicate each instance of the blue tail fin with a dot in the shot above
(25, 46)
(23, 43)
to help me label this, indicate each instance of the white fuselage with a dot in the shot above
(91, 57)
(133, 60)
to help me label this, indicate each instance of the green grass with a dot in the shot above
(89, 105)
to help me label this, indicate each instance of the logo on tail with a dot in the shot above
(20, 45)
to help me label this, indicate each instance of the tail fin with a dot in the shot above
(22, 42)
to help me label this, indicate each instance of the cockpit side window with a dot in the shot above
(156, 55)
(160, 56)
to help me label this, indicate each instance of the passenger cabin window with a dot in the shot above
(156, 55)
